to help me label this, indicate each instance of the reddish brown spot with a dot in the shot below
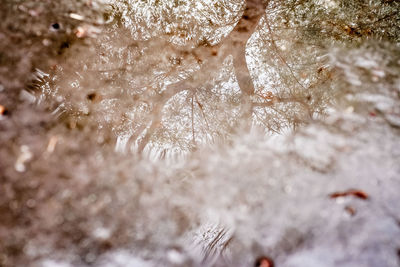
(3, 110)
(352, 192)
(214, 53)
(264, 262)
(350, 210)
(91, 96)
(372, 114)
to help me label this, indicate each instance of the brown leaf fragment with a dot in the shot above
(264, 262)
(352, 192)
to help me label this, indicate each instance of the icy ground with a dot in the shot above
(266, 196)
(324, 194)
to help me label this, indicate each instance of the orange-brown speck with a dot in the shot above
(264, 262)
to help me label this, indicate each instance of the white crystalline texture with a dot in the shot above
(136, 135)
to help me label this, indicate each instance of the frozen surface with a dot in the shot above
(123, 150)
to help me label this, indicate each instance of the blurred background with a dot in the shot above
(200, 133)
